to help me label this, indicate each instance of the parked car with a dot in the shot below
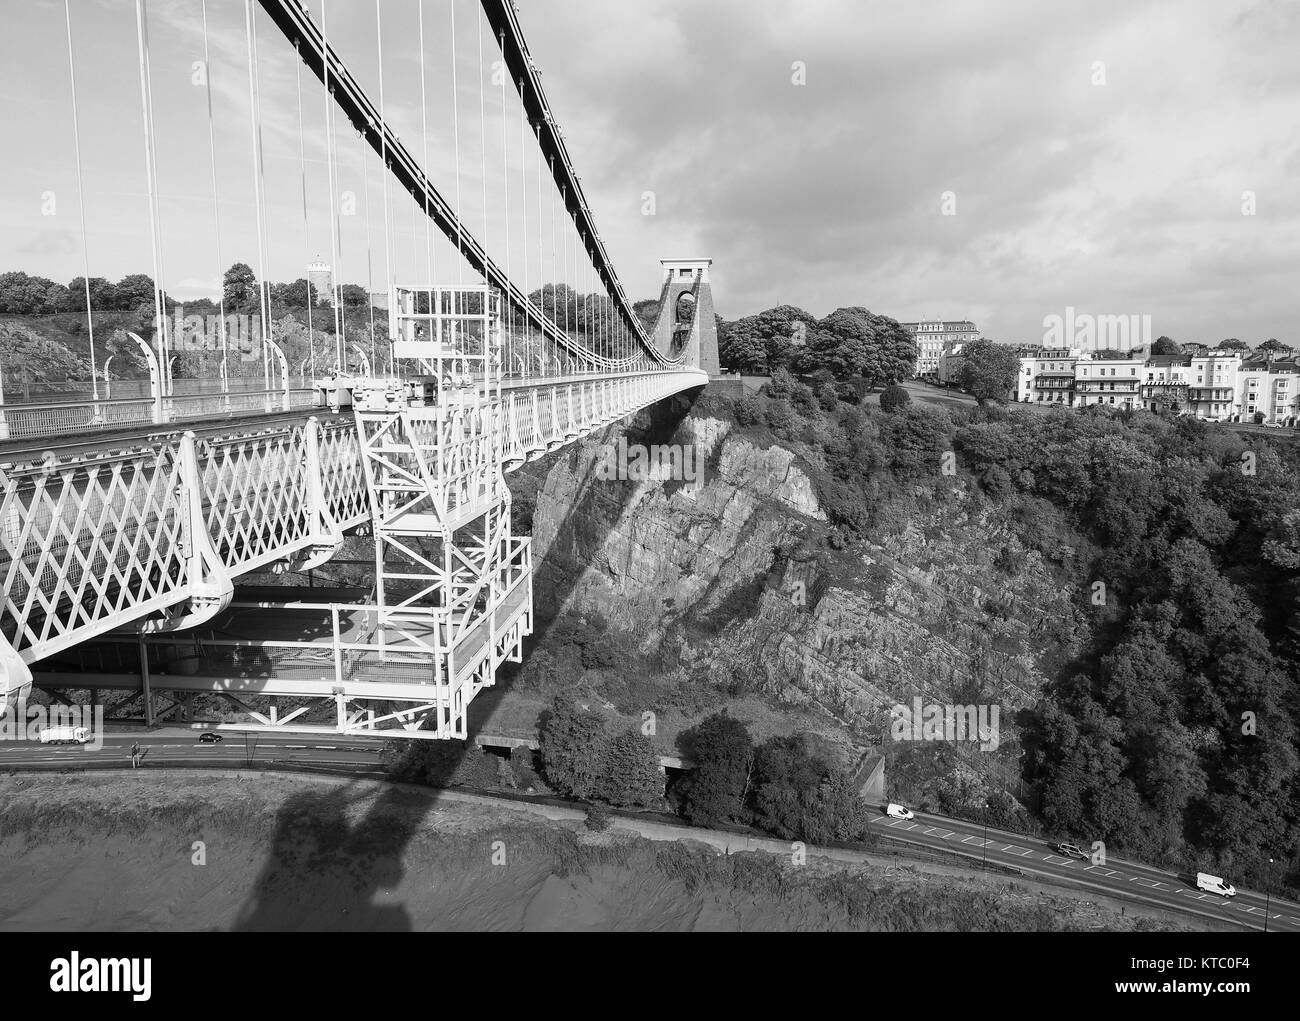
(1070, 851)
(208, 737)
(898, 812)
(1213, 884)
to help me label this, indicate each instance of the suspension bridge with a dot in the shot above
(129, 518)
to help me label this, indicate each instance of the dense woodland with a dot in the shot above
(1173, 737)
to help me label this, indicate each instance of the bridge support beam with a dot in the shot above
(209, 585)
(15, 677)
(326, 536)
(159, 412)
(283, 362)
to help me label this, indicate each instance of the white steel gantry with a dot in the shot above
(449, 574)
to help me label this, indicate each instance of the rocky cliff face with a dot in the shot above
(732, 573)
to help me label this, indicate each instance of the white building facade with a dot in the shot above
(935, 336)
(1214, 387)
(1270, 393)
(1047, 376)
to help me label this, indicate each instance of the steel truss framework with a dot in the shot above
(136, 530)
(446, 563)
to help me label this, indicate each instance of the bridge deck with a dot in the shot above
(285, 646)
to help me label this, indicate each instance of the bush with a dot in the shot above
(630, 771)
(572, 747)
(747, 409)
(894, 398)
(782, 384)
(805, 401)
(598, 818)
(779, 415)
(723, 754)
(847, 393)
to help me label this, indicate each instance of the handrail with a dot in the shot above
(27, 421)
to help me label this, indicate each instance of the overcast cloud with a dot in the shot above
(1123, 197)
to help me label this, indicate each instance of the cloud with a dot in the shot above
(1118, 198)
(52, 242)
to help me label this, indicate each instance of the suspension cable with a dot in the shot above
(455, 131)
(482, 123)
(216, 209)
(255, 112)
(424, 131)
(333, 199)
(554, 291)
(370, 276)
(81, 202)
(541, 273)
(383, 147)
(523, 181)
(505, 204)
(306, 227)
(564, 195)
(151, 173)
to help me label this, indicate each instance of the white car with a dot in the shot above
(898, 812)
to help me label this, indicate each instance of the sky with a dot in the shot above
(995, 161)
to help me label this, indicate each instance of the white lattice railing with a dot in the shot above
(94, 540)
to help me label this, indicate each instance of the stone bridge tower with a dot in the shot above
(685, 321)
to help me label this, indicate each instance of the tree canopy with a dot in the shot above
(854, 342)
(988, 371)
(763, 343)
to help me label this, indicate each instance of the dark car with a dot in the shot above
(210, 738)
(1070, 851)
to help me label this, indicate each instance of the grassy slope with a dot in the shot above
(285, 853)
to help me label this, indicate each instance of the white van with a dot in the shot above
(1213, 884)
(65, 735)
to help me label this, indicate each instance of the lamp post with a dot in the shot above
(108, 380)
(1268, 879)
(985, 847)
